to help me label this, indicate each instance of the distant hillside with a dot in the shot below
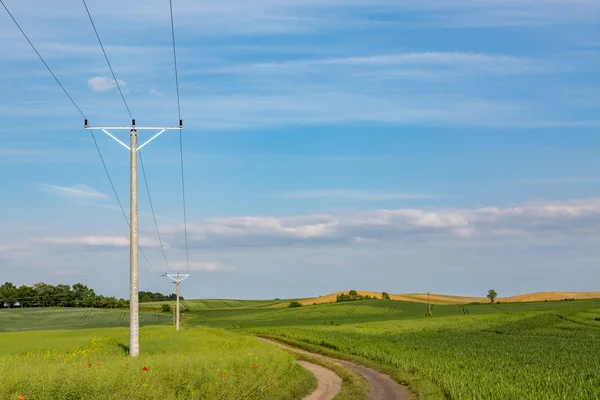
(224, 304)
(446, 299)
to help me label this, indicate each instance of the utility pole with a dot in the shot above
(134, 321)
(134, 306)
(177, 278)
(428, 304)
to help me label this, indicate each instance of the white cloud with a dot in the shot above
(76, 192)
(491, 63)
(576, 217)
(96, 241)
(355, 195)
(155, 92)
(103, 83)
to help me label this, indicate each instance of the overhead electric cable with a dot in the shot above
(187, 256)
(129, 112)
(106, 57)
(42, 59)
(83, 115)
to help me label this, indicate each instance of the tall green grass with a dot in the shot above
(27, 319)
(213, 304)
(535, 351)
(197, 363)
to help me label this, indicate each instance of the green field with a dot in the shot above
(544, 350)
(360, 312)
(28, 319)
(212, 304)
(199, 363)
(507, 351)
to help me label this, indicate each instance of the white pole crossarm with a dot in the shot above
(118, 141)
(151, 139)
(161, 130)
(180, 277)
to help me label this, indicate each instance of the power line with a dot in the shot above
(106, 57)
(42, 59)
(83, 115)
(129, 112)
(175, 58)
(187, 256)
(162, 247)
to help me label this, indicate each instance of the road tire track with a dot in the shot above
(382, 387)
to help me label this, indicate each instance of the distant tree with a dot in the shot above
(351, 296)
(8, 295)
(385, 296)
(492, 295)
(165, 308)
(295, 304)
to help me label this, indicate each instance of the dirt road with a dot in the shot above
(328, 383)
(382, 386)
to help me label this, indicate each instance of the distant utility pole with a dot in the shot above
(177, 278)
(134, 320)
(428, 304)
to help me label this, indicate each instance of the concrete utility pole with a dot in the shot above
(134, 318)
(134, 321)
(177, 278)
(428, 304)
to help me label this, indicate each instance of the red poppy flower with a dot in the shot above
(235, 374)
(254, 366)
(97, 364)
(19, 397)
(89, 364)
(145, 369)
(223, 376)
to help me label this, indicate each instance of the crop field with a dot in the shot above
(357, 312)
(507, 351)
(214, 304)
(447, 299)
(201, 363)
(12, 320)
(494, 351)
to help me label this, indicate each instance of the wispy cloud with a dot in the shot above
(541, 219)
(559, 181)
(103, 83)
(202, 266)
(492, 63)
(76, 192)
(96, 241)
(356, 195)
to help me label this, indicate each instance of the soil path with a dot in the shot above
(383, 387)
(328, 383)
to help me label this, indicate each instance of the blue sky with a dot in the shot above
(407, 146)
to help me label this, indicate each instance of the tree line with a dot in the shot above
(78, 295)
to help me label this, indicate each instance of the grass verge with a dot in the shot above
(191, 364)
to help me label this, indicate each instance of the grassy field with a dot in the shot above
(27, 319)
(201, 363)
(214, 304)
(446, 299)
(494, 351)
(358, 312)
(527, 350)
